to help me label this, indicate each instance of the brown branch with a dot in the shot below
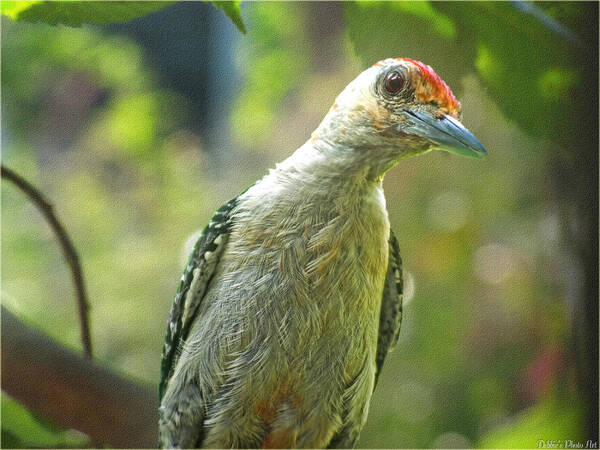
(75, 392)
(69, 251)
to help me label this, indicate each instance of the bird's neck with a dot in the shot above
(323, 164)
(317, 175)
(339, 163)
(347, 141)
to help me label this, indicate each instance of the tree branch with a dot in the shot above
(75, 392)
(69, 251)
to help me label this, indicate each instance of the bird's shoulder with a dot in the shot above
(198, 272)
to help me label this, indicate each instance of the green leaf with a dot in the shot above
(75, 13)
(13, 9)
(233, 11)
(415, 30)
(553, 419)
(526, 65)
(21, 428)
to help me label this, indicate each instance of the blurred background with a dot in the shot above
(138, 131)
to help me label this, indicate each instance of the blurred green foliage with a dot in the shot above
(274, 63)
(527, 65)
(552, 419)
(22, 430)
(121, 129)
(481, 359)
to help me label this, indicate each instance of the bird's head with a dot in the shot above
(395, 109)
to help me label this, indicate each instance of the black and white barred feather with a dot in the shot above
(192, 287)
(391, 305)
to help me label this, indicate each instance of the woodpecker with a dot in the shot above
(292, 296)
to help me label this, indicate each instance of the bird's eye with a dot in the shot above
(394, 82)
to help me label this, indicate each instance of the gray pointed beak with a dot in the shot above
(446, 134)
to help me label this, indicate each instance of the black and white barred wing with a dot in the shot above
(391, 305)
(192, 288)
